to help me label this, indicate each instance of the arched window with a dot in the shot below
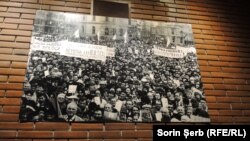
(106, 31)
(82, 29)
(173, 39)
(93, 29)
(121, 32)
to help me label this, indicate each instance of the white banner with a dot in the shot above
(46, 46)
(186, 50)
(110, 52)
(171, 53)
(73, 49)
(85, 51)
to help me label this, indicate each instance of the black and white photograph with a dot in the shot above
(85, 68)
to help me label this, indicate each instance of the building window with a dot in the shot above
(106, 31)
(121, 32)
(38, 21)
(172, 31)
(36, 28)
(93, 29)
(173, 39)
(181, 40)
(82, 28)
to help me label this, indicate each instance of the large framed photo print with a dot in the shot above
(85, 68)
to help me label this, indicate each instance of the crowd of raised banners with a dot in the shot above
(100, 52)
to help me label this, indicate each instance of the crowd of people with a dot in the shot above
(133, 86)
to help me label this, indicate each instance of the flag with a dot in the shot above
(125, 37)
(76, 34)
(139, 33)
(114, 37)
(168, 41)
(98, 35)
(113, 72)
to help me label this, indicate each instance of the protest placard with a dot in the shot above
(171, 53)
(85, 51)
(46, 46)
(72, 88)
(110, 52)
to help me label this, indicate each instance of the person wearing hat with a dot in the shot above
(146, 113)
(71, 97)
(196, 99)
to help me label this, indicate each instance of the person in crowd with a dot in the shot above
(165, 115)
(110, 113)
(98, 115)
(71, 115)
(179, 115)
